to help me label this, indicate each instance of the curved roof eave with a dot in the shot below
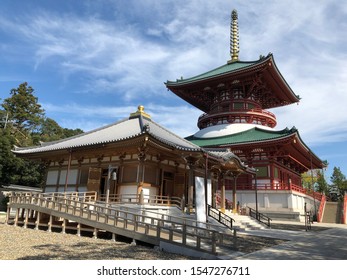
(217, 72)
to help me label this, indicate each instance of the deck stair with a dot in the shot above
(82, 212)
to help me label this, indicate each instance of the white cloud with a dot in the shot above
(145, 43)
(173, 118)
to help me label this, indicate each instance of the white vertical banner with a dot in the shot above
(209, 191)
(200, 204)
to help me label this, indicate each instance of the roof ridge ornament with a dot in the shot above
(234, 37)
(140, 112)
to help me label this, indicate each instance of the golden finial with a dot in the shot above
(140, 112)
(234, 37)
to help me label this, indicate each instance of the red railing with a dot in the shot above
(321, 209)
(344, 216)
(283, 187)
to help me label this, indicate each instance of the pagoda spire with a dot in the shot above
(234, 37)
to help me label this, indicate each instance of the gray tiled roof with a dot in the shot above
(127, 129)
(122, 130)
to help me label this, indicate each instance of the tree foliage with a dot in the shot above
(23, 108)
(339, 183)
(23, 123)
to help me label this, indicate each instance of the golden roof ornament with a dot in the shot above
(140, 112)
(234, 37)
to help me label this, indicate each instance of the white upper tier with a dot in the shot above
(226, 129)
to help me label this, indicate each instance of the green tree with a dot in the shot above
(23, 123)
(338, 180)
(322, 185)
(14, 170)
(23, 108)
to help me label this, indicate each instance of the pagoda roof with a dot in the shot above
(257, 137)
(249, 136)
(234, 71)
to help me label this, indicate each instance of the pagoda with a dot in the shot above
(235, 99)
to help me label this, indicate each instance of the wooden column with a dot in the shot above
(222, 207)
(234, 194)
(214, 182)
(141, 169)
(191, 186)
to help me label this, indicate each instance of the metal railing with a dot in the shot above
(151, 229)
(260, 217)
(220, 217)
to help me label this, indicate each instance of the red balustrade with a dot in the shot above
(321, 208)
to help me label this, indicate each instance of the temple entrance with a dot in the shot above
(168, 184)
(173, 184)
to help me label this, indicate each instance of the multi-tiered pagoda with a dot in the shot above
(235, 99)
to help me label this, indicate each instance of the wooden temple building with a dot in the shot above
(135, 156)
(235, 99)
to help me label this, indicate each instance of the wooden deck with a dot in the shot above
(81, 212)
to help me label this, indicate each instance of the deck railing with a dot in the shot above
(321, 209)
(282, 187)
(344, 213)
(151, 229)
(147, 199)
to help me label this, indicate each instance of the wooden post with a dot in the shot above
(26, 218)
(37, 222)
(50, 223)
(234, 195)
(8, 214)
(191, 186)
(64, 226)
(223, 195)
(16, 218)
(79, 229)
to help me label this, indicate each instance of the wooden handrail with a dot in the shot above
(148, 199)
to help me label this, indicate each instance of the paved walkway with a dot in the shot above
(322, 244)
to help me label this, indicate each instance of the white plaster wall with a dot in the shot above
(275, 200)
(128, 189)
(149, 191)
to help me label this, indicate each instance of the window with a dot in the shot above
(238, 105)
(262, 171)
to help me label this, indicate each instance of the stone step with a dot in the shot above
(244, 223)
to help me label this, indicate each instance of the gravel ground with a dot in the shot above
(18, 243)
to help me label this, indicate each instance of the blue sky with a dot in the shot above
(93, 62)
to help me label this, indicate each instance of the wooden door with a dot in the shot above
(94, 178)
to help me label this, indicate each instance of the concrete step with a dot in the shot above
(244, 223)
(331, 212)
